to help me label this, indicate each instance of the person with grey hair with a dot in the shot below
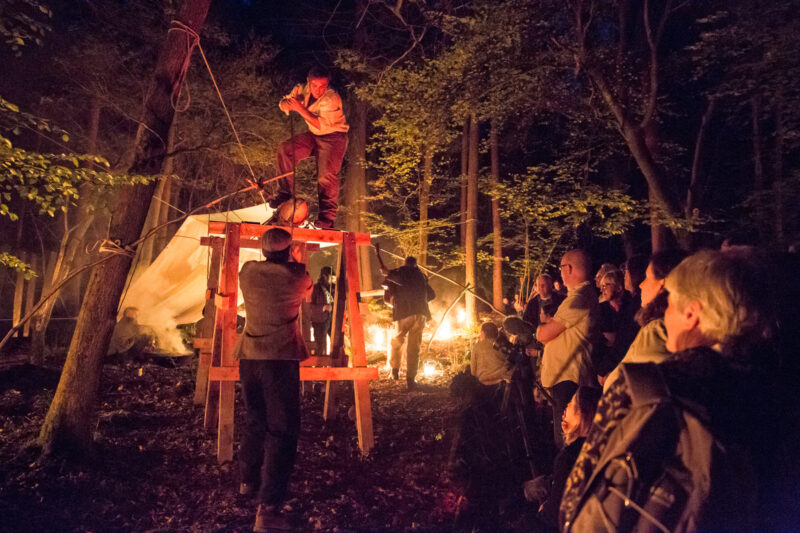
(719, 319)
(269, 352)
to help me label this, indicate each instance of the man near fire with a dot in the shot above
(410, 296)
(270, 350)
(326, 138)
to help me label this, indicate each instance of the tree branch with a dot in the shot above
(652, 42)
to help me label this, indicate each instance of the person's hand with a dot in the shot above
(327, 307)
(293, 104)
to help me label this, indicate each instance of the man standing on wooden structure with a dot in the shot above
(326, 138)
(270, 350)
(410, 296)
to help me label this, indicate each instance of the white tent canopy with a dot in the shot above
(171, 290)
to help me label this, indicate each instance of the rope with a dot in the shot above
(192, 40)
(177, 25)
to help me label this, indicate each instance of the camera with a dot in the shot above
(524, 334)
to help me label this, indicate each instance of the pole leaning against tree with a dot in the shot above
(70, 421)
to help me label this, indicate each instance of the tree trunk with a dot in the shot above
(156, 214)
(424, 202)
(72, 240)
(758, 166)
(660, 198)
(356, 184)
(497, 230)
(777, 182)
(462, 229)
(471, 223)
(70, 421)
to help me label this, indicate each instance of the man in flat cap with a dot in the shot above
(270, 350)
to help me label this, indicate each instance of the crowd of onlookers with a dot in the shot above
(670, 381)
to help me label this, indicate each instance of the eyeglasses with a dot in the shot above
(563, 266)
(608, 285)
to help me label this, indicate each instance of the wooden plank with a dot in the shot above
(206, 330)
(30, 293)
(204, 345)
(201, 379)
(228, 285)
(19, 286)
(227, 394)
(317, 361)
(307, 373)
(337, 331)
(354, 312)
(366, 440)
(250, 231)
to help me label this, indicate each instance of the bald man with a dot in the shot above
(569, 336)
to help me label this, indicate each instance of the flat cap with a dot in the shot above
(275, 240)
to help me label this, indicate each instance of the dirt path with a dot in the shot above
(156, 470)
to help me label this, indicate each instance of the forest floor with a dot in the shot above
(155, 467)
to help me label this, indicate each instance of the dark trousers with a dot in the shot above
(329, 150)
(271, 392)
(411, 327)
(562, 392)
(321, 332)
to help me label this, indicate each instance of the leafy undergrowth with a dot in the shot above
(155, 467)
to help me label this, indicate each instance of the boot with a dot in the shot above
(269, 518)
(395, 374)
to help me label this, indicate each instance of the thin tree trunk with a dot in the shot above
(462, 229)
(777, 182)
(356, 184)
(471, 223)
(758, 165)
(424, 202)
(497, 230)
(695, 181)
(72, 240)
(69, 422)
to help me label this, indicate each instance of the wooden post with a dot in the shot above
(19, 286)
(205, 334)
(360, 387)
(229, 289)
(337, 332)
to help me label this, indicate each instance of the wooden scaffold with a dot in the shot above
(218, 370)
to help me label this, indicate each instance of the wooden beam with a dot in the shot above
(307, 373)
(229, 286)
(206, 330)
(366, 440)
(254, 231)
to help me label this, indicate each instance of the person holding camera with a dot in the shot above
(269, 352)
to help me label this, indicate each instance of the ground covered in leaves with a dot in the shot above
(155, 468)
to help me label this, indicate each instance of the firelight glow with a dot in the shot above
(445, 332)
(430, 369)
(462, 316)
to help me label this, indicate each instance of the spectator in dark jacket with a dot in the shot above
(321, 308)
(546, 298)
(617, 323)
(411, 294)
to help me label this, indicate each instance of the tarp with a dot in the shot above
(171, 290)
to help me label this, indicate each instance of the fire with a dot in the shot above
(462, 316)
(445, 332)
(431, 369)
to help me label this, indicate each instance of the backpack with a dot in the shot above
(665, 468)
